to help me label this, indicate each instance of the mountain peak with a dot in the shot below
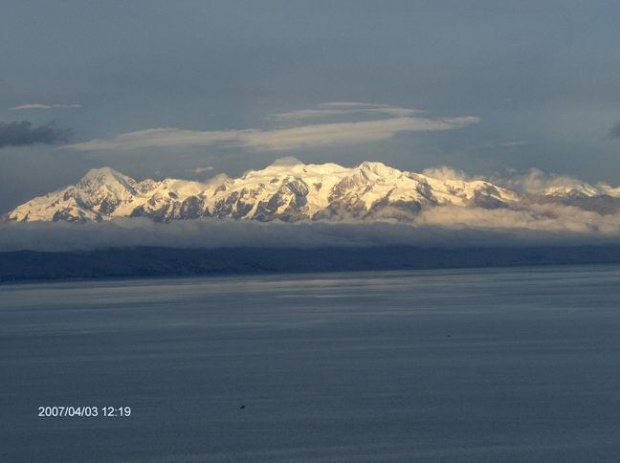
(379, 169)
(96, 171)
(286, 161)
(105, 176)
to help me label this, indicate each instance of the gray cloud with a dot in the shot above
(44, 106)
(23, 133)
(614, 132)
(345, 108)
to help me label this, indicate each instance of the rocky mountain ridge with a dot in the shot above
(290, 192)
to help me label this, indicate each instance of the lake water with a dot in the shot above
(493, 365)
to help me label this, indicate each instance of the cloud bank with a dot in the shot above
(394, 121)
(439, 227)
(23, 133)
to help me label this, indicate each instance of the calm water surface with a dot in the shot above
(495, 365)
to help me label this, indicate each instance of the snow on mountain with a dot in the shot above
(583, 190)
(287, 190)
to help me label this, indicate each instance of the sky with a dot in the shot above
(190, 89)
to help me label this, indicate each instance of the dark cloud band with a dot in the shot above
(23, 133)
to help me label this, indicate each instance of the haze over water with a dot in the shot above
(485, 365)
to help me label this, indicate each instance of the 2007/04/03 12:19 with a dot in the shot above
(84, 411)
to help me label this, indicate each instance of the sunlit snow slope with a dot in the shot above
(286, 191)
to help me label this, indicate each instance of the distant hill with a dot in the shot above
(143, 262)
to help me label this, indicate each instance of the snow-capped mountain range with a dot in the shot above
(291, 191)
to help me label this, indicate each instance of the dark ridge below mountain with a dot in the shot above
(149, 262)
